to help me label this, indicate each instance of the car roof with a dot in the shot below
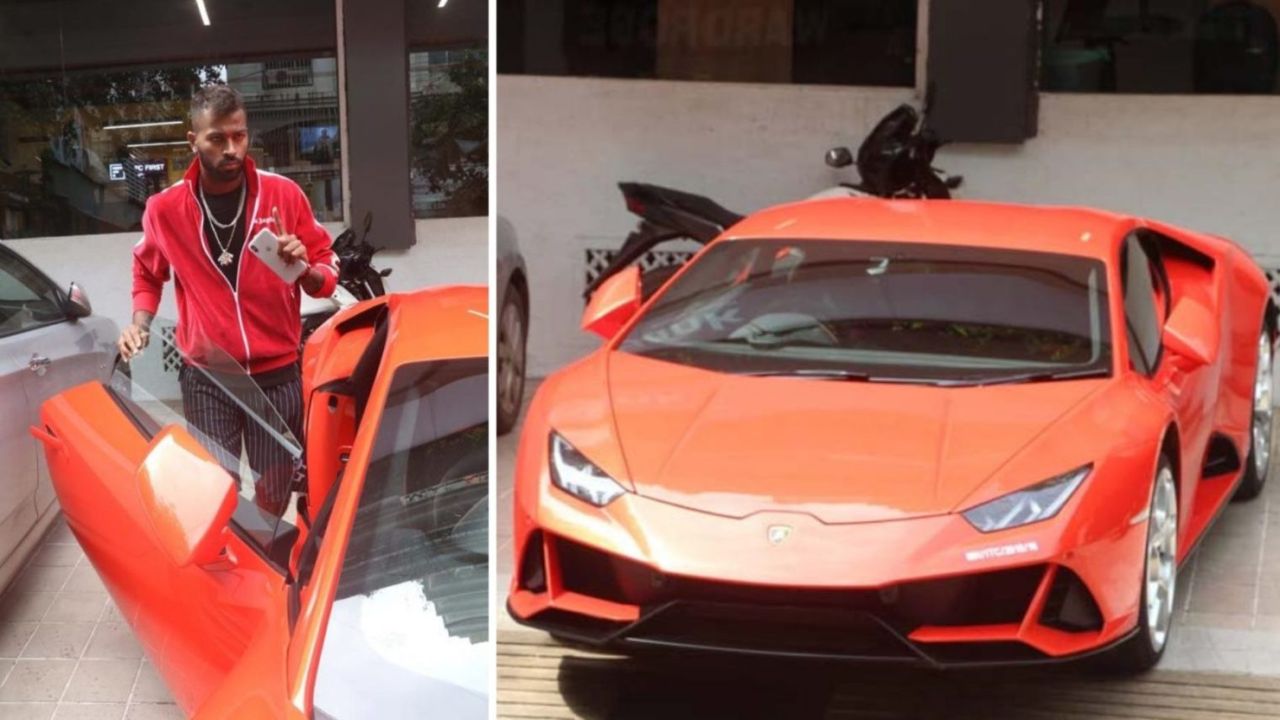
(438, 323)
(1068, 230)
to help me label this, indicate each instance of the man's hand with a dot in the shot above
(312, 280)
(291, 249)
(132, 339)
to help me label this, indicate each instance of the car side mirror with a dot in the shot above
(1190, 332)
(839, 157)
(187, 496)
(78, 305)
(613, 303)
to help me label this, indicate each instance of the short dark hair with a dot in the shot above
(220, 100)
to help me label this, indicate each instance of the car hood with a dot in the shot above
(843, 452)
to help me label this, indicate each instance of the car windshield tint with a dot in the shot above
(907, 312)
(409, 627)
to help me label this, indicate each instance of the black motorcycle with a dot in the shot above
(358, 279)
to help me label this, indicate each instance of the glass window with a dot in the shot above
(94, 105)
(409, 626)
(1160, 46)
(1141, 311)
(27, 299)
(847, 42)
(449, 132)
(906, 312)
(233, 419)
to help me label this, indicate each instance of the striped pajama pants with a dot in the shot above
(222, 425)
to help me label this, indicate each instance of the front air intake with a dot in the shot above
(533, 569)
(1070, 606)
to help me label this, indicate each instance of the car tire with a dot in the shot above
(1258, 465)
(1141, 652)
(513, 332)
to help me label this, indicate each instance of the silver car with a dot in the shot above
(49, 341)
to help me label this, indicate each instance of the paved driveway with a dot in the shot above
(65, 651)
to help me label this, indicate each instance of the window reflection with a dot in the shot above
(409, 625)
(147, 392)
(449, 132)
(847, 42)
(1161, 46)
(80, 152)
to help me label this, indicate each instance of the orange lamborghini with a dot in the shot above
(932, 432)
(369, 598)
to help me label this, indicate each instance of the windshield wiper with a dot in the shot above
(847, 376)
(1036, 376)
(851, 375)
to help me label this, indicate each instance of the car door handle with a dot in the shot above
(46, 436)
(39, 364)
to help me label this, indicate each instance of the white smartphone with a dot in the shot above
(264, 245)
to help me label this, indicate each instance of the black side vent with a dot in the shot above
(369, 317)
(992, 598)
(533, 570)
(1069, 606)
(591, 572)
(1222, 458)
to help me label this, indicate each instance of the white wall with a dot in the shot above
(563, 143)
(448, 252)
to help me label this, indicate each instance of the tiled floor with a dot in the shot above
(1228, 594)
(65, 652)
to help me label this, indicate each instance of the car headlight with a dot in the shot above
(578, 476)
(1038, 502)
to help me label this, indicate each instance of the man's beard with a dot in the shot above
(219, 174)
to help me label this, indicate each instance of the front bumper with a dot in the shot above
(926, 591)
(1029, 614)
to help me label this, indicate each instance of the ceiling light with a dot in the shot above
(443, 3)
(204, 14)
(158, 123)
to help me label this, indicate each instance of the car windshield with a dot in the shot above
(882, 311)
(409, 627)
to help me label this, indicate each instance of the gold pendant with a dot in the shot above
(225, 258)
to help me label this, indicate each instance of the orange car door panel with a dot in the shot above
(195, 622)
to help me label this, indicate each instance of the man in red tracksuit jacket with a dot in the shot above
(231, 307)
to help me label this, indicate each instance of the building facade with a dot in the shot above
(1160, 108)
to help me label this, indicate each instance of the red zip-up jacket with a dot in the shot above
(258, 322)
